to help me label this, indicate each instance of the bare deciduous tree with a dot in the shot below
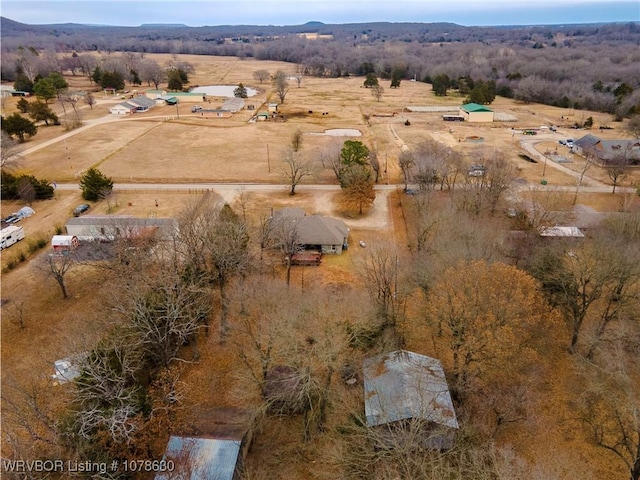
(9, 156)
(261, 75)
(377, 91)
(281, 84)
(296, 167)
(608, 403)
(329, 157)
(380, 267)
(58, 265)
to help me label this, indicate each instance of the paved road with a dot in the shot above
(226, 189)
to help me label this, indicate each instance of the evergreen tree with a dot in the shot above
(17, 126)
(95, 184)
(441, 83)
(96, 76)
(23, 84)
(112, 79)
(41, 112)
(44, 89)
(371, 80)
(23, 105)
(240, 92)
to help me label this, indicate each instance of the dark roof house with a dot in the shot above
(324, 234)
(401, 386)
(608, 151)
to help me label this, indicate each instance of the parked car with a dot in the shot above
(196, 108)
(562, 142)
(569, 143)
(553, 129)
(80, 209)
(477, 170)
(529, 132)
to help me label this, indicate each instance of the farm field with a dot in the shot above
(172, 145)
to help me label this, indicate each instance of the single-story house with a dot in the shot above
(474, 112)
(317, 233)
(262, 116)
(403, 386)
(609, 151)
(123, 108)
(110, 227)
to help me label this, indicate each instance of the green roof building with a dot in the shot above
(474, 112)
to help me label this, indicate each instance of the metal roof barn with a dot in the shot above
(198, 458)
(402, 385)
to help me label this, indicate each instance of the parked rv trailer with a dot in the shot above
(10, 235)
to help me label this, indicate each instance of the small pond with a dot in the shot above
(222, 90)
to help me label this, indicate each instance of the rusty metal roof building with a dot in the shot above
(402, 385)
(197, 458)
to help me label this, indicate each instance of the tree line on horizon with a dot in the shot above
(591, 67)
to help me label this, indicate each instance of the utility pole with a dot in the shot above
(268, 159)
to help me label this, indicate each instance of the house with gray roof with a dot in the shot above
(109, 227)
(402, 387)
(142, 103)
(609, 151)
(315, 232)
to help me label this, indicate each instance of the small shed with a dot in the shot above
(474, 112)
(272, 107)
(64, 243)
(262, 116)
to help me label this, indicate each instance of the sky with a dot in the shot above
(287, 12)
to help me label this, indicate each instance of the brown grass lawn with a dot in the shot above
(157, 147)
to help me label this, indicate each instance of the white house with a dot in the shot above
(123, 108)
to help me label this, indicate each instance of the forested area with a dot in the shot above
(593, 67)
(214, 302)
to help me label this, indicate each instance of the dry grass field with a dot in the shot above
(158, 147)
